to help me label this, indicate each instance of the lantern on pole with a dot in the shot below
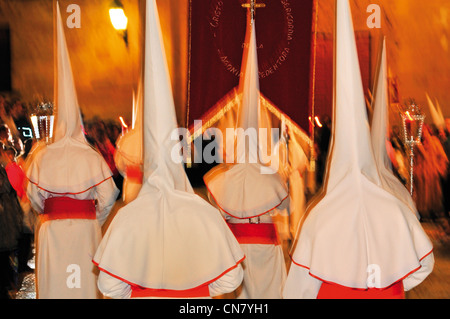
(42, 121)
(412, 119)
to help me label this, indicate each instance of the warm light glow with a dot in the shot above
(118, 18)
(123, 122)
(409, 116)
(34, 121)
(316, 118)
(43, 124)
(318, 122)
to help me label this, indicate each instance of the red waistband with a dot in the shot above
(247, 233)
(334, 291)
(134, 173)
(198, 292)
(68, 208)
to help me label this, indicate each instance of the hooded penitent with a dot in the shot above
(356, 224)
(129, 152)
(168, 237)
(379, 131)
(247, 188)
(62, 156)
(71, 187)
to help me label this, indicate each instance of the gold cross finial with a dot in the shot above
(253, 6)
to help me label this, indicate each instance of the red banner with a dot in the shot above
(216, 41)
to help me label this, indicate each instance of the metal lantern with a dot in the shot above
(42, 121)
(413, 120)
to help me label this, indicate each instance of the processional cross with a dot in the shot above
(253, 6)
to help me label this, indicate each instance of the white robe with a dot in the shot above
(264, 269)
(117, 289)
(65, 247)
(264, 264)
(301, 285)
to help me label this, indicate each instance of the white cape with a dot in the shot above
(356, 224)
(168, 237)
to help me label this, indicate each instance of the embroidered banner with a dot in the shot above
(216, 42)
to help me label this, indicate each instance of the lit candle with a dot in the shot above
(408, 122)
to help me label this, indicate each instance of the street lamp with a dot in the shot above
(118, 19)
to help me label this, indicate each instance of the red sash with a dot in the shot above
(68, 208)
(198, 292)
(247, 233)
(334, 291)
(134, 173)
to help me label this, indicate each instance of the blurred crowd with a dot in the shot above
(17, 219)
(430, 170)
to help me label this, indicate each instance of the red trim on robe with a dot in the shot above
(363, 289)
(222, 209)
(195, 292)
(68, 208)
(247, 233)
(334, 291)
(198, 292)
(68, 193)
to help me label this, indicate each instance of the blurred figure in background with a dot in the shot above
(446, 182)
(399, 166)
(104, 145)
(5, 136)
(107, 149)
(113, 131)
(431, 164)
(11, 219)
(23, 138)
(322, 141)
(18, 181)
(5, 116)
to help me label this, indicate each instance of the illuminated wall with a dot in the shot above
(106, 70)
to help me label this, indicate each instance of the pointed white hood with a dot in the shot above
(63, 156)
(250, 107)
(168, 237)
(68, 123)
(129, 149)
(441, 116)
(356, 224)
(436, 113)
(128, 156)
(244, 189)
(137, 107)
(379, 135)
(159, 111)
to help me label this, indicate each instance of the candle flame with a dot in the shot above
(318, 122)
(123, 122)
(409, 116)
